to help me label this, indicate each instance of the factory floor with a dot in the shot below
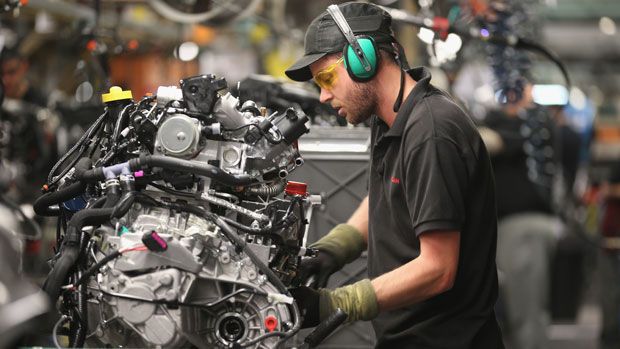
(582, 334)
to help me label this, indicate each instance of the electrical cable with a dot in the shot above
(436, 24)
(175, 304)
(170, 190)
(115, 137)
(95, 267)
(226, 229)
(50, 178)
(62, 319)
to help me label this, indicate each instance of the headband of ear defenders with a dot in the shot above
(355, 47)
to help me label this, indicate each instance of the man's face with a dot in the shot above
(354, 101)
(13, 73)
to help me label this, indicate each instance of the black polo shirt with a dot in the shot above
(431, 171)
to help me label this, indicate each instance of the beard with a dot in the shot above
(362, 102)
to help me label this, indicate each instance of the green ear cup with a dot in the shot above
(354, 65)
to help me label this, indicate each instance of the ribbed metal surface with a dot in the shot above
(336, 164)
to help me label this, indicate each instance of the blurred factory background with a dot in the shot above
(60, 56)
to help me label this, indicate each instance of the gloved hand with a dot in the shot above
(307, 300)
(358, 300)
(315, 271)
(340, 246)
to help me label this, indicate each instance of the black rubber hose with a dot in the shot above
(98, 203)
(325, 328)
(83, 165)
(194, 167)
(95, 216)
(113, 194)
(42, 204)
(123, 205)
(170, 163)
(95, 267)
(70, 250)
(57, 276)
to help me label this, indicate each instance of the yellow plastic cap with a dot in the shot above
(116, 94)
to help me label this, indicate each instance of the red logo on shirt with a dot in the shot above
(395, 180)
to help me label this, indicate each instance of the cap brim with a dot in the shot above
(300, 71)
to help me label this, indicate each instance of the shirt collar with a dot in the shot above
(422, 76)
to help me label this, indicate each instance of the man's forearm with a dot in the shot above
(409, 284)
(430, 274)
(359, 219)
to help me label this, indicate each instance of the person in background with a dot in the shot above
(523, 141)
(27, 143)
(14, 69)
(27, 154)
(609, 261)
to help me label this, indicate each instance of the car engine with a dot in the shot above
(177, 226)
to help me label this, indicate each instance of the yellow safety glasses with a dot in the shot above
(327, 77)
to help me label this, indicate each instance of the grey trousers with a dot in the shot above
(525, 244)
(609, 276)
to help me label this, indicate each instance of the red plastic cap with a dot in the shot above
(296, 188)
(133, 44)
(271, 323)
(91, 45)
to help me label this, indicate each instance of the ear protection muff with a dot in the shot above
(360, 54)
(355, 65)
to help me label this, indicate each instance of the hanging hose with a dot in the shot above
(55, 279)
(42, 204)
(69, 251)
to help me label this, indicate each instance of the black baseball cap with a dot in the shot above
(323, 36)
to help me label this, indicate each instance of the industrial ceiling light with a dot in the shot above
(188, 51)
(426, 35)
(607, 26)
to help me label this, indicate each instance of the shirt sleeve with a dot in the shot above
(436, 186)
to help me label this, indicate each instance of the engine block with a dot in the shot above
(189, 232)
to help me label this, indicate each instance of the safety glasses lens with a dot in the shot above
(327, 77)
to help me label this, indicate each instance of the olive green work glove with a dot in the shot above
(342, 245)
(358, 300)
